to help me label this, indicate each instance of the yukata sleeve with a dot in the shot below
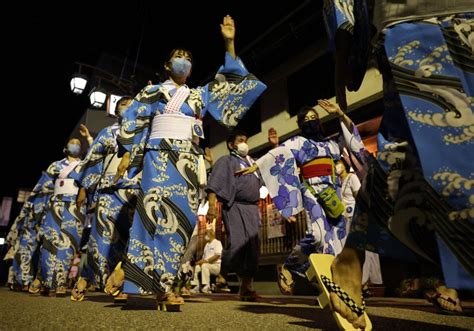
(136, 125)
(39, 185)
(231, 94)
(88, 172)
(53, 170)
(359, 157)
(26, 212)
(347, 23)
(18, 224)
(352, 141)
(41, 192)
(279, 172)
(222, 181)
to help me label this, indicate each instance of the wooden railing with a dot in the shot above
(272, 250)
(275, 250)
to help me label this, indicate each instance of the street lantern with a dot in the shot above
(78, 83)
(97, 97)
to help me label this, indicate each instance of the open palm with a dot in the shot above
(328, 106)
(273, 137)
(228, 28)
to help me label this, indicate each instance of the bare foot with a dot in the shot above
(35, 287)
(115, 281)
(347, 273)
(185, 292)
(169, 298)
(445, 304)
(285, 280)
(79, 290)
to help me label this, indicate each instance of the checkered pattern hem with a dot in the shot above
(333, 287)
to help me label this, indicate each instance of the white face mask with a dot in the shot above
(180, 66)
(339, 169)
(207, 238)
(242, 149)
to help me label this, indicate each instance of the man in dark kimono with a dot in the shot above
(239, 196)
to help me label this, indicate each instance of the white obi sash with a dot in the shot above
(64, 185)
(179, 126)
(176, 126)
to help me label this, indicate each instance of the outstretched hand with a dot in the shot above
(273, 137)
(228, 28)
(333, 108)
(84, 131)
(330, 107)
(246, 171)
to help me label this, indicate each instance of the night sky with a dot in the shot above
(46, 39)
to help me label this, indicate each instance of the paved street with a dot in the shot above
(20, 311)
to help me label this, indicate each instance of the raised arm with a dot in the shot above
(273, 138)
(84, 131)
(228, 32)
(332, 108)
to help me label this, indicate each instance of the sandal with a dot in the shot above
(432, 296)
(320, 270)
(285, 280)
(169, 301)
(92, 288)
(249, 295)
(185, 293)
(35, 287)
(114, 283)
(61, 291)
(366, 293)
(121, 298)
(79, 291)
(222, 288)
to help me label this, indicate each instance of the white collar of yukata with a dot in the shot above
(169, 85)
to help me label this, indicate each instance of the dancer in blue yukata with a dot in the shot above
(62, 225)
(22, 237)
(424, 51)
(114, 205)
(26, 258)
(157, 136)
